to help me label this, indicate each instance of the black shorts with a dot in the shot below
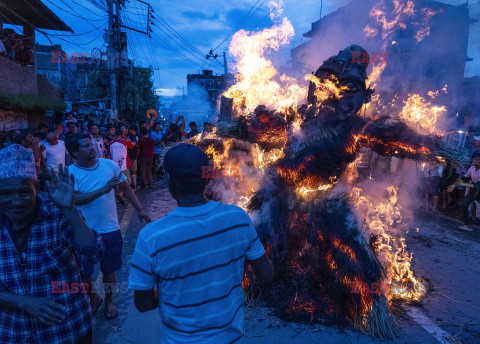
(112, 257)
(432, 186)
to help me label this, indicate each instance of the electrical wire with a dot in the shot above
(200, 57)
(76, 14)
(241, 22)
(190, 46)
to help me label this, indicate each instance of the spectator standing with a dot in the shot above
(94, 180)
(71, 128)
(97, 140)
(195, 257)
(146, 154)
(111, 136)
(72, 115)
(3, 51)
(157, 136)
(55, 152)
(119, 154)
(433, 176)
(132, 154)
(193, 130)
(50, 229)
(42, 131)
(476, 147)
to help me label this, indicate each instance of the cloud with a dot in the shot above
(199, 15)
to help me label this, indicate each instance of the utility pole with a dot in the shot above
(117, 49)
(114, 53)
(225, 67)
(215, 56)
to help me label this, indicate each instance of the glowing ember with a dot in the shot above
(300, 305)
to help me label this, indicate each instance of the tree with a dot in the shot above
(135, 89)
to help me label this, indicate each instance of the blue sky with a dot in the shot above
(202, 25)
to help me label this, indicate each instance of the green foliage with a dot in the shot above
(31, 102)
(97, 86)
(135, 87)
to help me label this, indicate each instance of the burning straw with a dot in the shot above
(339, 257)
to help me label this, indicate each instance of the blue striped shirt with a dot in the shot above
(195, 256)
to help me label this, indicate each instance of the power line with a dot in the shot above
(176, 34)
(199, 57)
(76, 14)
(241, 22)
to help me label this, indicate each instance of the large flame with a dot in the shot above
(382, 218)
(257, 80)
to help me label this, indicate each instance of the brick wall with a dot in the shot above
(46, 88)
(17, 79)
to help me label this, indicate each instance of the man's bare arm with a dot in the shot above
(262, 268)
(146, 300)
(85, 198)
(44, 310)
(132, 198)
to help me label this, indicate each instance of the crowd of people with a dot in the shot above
(16, 47)
(58, 218)
(137, 147)
(448, 186)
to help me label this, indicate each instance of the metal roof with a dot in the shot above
(30, 12)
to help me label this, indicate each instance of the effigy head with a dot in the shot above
(348, 69)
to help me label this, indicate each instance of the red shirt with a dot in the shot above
(146, 147)
(126, 143)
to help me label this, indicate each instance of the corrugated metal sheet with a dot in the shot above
(30, 12)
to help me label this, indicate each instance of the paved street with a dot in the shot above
(445, 257)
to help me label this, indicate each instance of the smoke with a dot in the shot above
(197, 106)
(425, 46)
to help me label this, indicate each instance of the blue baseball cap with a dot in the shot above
(185, 162)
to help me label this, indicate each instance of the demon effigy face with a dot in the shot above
(349, 75)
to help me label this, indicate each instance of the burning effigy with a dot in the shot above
(289, 157)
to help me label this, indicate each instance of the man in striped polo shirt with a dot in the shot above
(195, 257)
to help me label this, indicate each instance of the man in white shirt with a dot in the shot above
(94, 182)
(97, 140)
(54, 152)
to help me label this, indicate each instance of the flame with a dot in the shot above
(397, 19)
(303, 191)
(377, 70)
(424, 31)
(370, 31)
(257, 80)
(390, 148)
(422, 115)
(381, 216)
(402, 10)
(326, 88)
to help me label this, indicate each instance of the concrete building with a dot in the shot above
(59, 68)
(26, 96)
(413, 66)
(207, 82)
